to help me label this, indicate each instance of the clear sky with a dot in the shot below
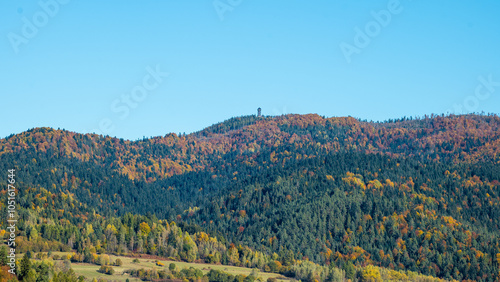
(101, 66)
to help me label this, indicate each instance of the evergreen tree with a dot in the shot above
(3, 255)
(25, 266)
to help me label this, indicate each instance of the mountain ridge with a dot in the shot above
(435, 131)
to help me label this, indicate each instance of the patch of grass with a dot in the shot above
(90, 270)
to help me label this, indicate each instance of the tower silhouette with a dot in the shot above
(259, 112)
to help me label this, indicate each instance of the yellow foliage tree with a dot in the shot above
(371, 273)
(145, 229)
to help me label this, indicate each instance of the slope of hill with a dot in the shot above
(420, 195)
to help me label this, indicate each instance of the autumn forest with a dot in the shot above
(308, 197)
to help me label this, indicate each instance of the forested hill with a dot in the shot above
(416, 194)
(457, 139)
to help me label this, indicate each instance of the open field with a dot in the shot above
(90, 270)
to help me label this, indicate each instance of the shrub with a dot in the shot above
(77, 258)
(106, 270)
(103, 259)
(41, 255)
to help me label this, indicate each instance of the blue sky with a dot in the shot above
(101, 66)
